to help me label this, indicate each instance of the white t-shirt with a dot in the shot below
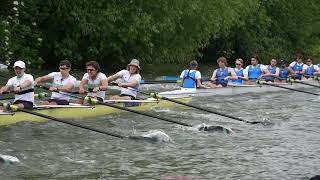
(245, 72)
(59, 81)
(198, 74)
(214, 74)
(17, 81)
(304, 67)
(92, 83)
(262, 68)
(126, 77)
(315, 67)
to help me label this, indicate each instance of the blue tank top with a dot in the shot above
(283, 74)
(298, 69)
(272, 70)
(189, 79)
(254, 72)
(240, 74)
(221, 74)
(310, 70)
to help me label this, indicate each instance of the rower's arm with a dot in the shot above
(266, 72)
(67, 88)
(291, 70)
(132, 84)
(25, 84)
(104, 85)
(113, 77)
(42, 79)
(277, 73)
(233, 75)
(214, 75)
(81, 86)
(4, 89)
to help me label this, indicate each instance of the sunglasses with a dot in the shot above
(63, 68)
(238, 64)
(90, 69)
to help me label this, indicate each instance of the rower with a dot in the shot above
(255, 70)
(96, 81)
(61, 81)
(273, 70)
(221, 75)
(130, 80)
(23, 86)
(242, 74)
(311, 69)
(283, 71)
(297, 68)
(191, 78)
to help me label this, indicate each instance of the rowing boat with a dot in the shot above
(233, 89)
(76, 111)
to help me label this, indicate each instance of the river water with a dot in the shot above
(289, 149)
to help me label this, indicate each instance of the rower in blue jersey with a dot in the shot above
(191, 78)
(241, 74)
(297, 68)
(283, 72)
(255, 70)
(221, 76)
(273, 70)
(311, 69)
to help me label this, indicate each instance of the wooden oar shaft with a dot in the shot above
(298, 90)
(313, 85)
(72, 123)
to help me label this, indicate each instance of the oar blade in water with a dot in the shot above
(8, 160)
(158, 136)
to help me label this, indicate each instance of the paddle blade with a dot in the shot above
(157, 136)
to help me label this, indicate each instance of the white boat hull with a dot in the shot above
(236, 89)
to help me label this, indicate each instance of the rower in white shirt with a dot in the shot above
(222, 75)
(311, 69)
(241, 74)
(61, 81)
(256, 70)
(95, 80)
(273, 70)
(191, 77)
(130, 80)
(22, 85)
(297, 68)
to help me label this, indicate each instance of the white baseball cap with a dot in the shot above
(20, 64)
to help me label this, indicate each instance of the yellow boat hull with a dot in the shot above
(82, 113)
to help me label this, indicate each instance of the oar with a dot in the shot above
(207, 128)
(301, 82)
(292, 89)
(160, 81)
(68, 122)
(157, 96)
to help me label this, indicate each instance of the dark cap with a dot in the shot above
(282, 61)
